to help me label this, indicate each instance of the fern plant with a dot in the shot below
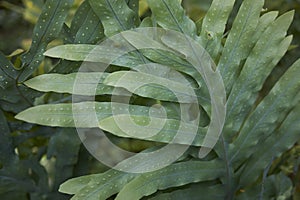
(257, 128)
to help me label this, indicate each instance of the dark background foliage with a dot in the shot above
(35, 160)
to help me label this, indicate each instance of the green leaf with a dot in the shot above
(96, 53)
(97, 186)
(213, 26)
(115, 16)
(68, 142)
(86, 27)
(260, 63)
(280, 141)
(196, 55)
(13, 97)
(6, 148)
(155, 129)
(240, 40)
(76, 83)
(46, 29)
(194, 192)
(151, 86)
(265, 118)
(72, 186)
(133, 5)
(170, 15)
(7, 72)
(184, 173)
(63, 115)
(277, 186)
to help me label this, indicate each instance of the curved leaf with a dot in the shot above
(155, 129)
(46, 29)
(115, 16)
(97, 186)
(170, 15)
(194, 192)
(257, 68)
(277, 143)
(240, 37)
(174, 175)
(267, 115)
(150, 86)
(213, 26)
(84, 114)
(76, 83)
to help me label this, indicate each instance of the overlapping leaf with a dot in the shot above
(257, 68)
(240, 40)
(271, 111)
(183, 173)
(170, 15)
(47, 29)
(213, 26)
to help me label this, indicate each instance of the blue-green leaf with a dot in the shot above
(260, 63)
(239, 41)
(172, 176)
(264, 119)
(115, 15)
(75, 83)
(194, 192)
(64, 115)
(97, 186)
(277, 143)
(170, 15)
(147, 85)
(46, 29)
(213, 26)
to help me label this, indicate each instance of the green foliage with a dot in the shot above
(36, 159)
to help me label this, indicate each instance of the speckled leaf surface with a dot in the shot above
(86, 27)
(273, 109)
(154, 129)
(147, 85)
(170, 15)
(97, 186)
(194, 192)
(239, 41)
(86, 114)
(183, 173)
(213, 25)
(115, 15)
(47, 29)
(283, 139)
(75, 83)
(257, 68)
